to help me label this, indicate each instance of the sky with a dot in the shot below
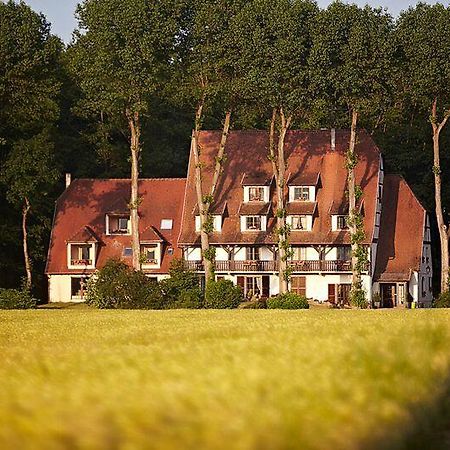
(60, 13)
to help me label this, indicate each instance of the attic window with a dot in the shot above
(166, 224)
(127, 251)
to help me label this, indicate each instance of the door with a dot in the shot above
(343, 294)
(332, 293)
(388, 295)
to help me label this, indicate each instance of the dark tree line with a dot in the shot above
(141, 78)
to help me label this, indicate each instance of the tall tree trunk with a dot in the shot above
(205, 200)
(279, 168)
(135, 130)
(26, 256)
(356, 276)
(444, 233)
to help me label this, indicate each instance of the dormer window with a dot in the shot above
(299, 223)
(150, 255)
(118, 224)
(301, 194)
(256, 194)
(216, 223)
(80, 255)
(341, 223)
(253, 223)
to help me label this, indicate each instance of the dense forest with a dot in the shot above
(140, 75)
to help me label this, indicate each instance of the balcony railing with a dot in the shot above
(272, 266)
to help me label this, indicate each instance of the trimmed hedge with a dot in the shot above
(17, 299)
(289, 300)
(222, 294)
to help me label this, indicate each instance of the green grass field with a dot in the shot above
(256, 379)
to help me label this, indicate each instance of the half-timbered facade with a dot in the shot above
(92, 222)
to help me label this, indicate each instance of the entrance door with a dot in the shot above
(343, 294)
(389, 295)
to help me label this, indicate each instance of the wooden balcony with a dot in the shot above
(272, 266)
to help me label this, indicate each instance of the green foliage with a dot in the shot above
(358, 298)
(210, 254)
(443, 301)
(222, 294)
(182, 288)
(17, 299)
(187, 299)
(117, 286)
(288, 300)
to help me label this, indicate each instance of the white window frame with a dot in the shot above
(302, 219)
(156, 248)
(256, 198)
(339, 218)
(119, 217)
(258, 220)
(80, 245)
(304, 191)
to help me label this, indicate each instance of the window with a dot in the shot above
(166, 224)
(342, 223)
(252, 254)
(149, 254)
(299, 254)
(256, 194)
(301, 194)
(118, 224)
(299, 223)
(344, 253)
(80, 254)
(253, 223)
(253, 286)
(127, 251)
(78, 287)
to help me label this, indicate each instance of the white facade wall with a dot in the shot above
(60, 288)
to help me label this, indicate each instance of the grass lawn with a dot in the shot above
(255, 379)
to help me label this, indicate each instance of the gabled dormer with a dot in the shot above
(117, 219)
(151, 248)
(253, 216)
(218, 213)
(339, 215)
(300, 215)
(303, 187)
(256, 187)
(82, 249)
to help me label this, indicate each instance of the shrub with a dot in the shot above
(182, 288)
(17, 299)
(222, 294)
(443, 301)
(289, 300)
(117, 286)
(358, 298)
(190, 299)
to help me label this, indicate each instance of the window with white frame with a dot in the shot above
(253, 223)
(252, 254)
(256, 194)
(80, 254)
(341, 223)
(299, 254)
(301, 194)
(149, 253)
(299, 222)
(78, 287)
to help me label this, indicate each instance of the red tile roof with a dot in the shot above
(301, 208)
(85, 204)
(83, 235)
(254, 209)
(304, 179)
(401, 232)
(307, 152)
